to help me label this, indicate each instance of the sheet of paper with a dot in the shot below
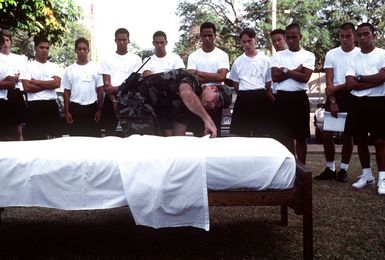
(332, 123)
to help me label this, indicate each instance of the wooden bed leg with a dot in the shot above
(284, 220)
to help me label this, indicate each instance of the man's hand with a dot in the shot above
(210, 128)
(334, 109)
(68, 118)
(98, 116)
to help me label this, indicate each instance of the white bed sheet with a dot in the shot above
(76, 173)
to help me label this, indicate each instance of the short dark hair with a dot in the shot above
(122, 31)
(208, 25)
(39, 39)
(7, 33)
(277, 31)
(348, 26)
(82, 40)
(159, 34)
(249, 32)
(369, 25)
(292, 26)
(1, 38)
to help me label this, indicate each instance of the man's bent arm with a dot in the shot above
(192, 102)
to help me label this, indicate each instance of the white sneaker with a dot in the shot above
(363, 181)
(381, 187)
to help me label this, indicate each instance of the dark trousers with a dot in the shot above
(83, 117)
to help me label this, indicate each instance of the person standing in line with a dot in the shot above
(83, 93)
(6, 82)
(162, 61)
(211, 65)
(40, 79)
(251, 78)
(278, 39)
(15, 95)
(115, 69)
(292, 70)
(338, 100)
(365, 76)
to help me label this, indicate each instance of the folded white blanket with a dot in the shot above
(165, 182)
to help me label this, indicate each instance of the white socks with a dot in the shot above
(331, 165)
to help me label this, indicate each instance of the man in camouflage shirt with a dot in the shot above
(174, 95)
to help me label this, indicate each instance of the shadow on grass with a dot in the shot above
(236, 233)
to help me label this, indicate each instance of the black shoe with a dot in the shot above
(342, 176)
(327, 174)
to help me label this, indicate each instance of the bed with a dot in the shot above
(166, 182)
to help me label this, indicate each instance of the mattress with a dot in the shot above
(76, 173)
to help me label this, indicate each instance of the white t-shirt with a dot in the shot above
(252, 73)
(17, 62)
(337, 59)
(40, 71)
(5, 71)
(292, 60)
(82, 80)
(169, 62)
(120, 67)
(367, 64)
(208, 61)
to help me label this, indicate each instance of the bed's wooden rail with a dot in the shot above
(299, 198)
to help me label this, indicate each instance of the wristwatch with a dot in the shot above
(359, 78)
(285, 71)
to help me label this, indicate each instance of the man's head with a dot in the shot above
(208, 33)
(215, 97)
(365, 34)
(82, 48)
(293, 36)
(159, 40)
(248, 40)
(41, 48)
(278, 39)
(122, 39)
(346, 36)
(7, 42)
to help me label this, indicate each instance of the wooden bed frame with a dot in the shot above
(299, 198)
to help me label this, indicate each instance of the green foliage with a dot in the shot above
(222, 13)
(64, 53)
(39, 17)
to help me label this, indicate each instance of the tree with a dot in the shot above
(223, 13)
(43, 17)
(64, 52)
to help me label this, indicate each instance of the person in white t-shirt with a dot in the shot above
(338, 100)
(6, 82)
(292, 69)
(115, 69)
(83, 93)
(40, 79)
(162, 61)
(251, 78)
(211, 65)
(365, 76)
(15, 96)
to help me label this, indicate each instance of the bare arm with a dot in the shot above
(7, 83)
(352, 83)
(205, 77)
(300, 74)
(30, 87)
(147, 73)
(47, 84)
(67, 114)
(377, 79)
(111, 91)
(192, 102)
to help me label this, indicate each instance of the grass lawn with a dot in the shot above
(348, 224)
